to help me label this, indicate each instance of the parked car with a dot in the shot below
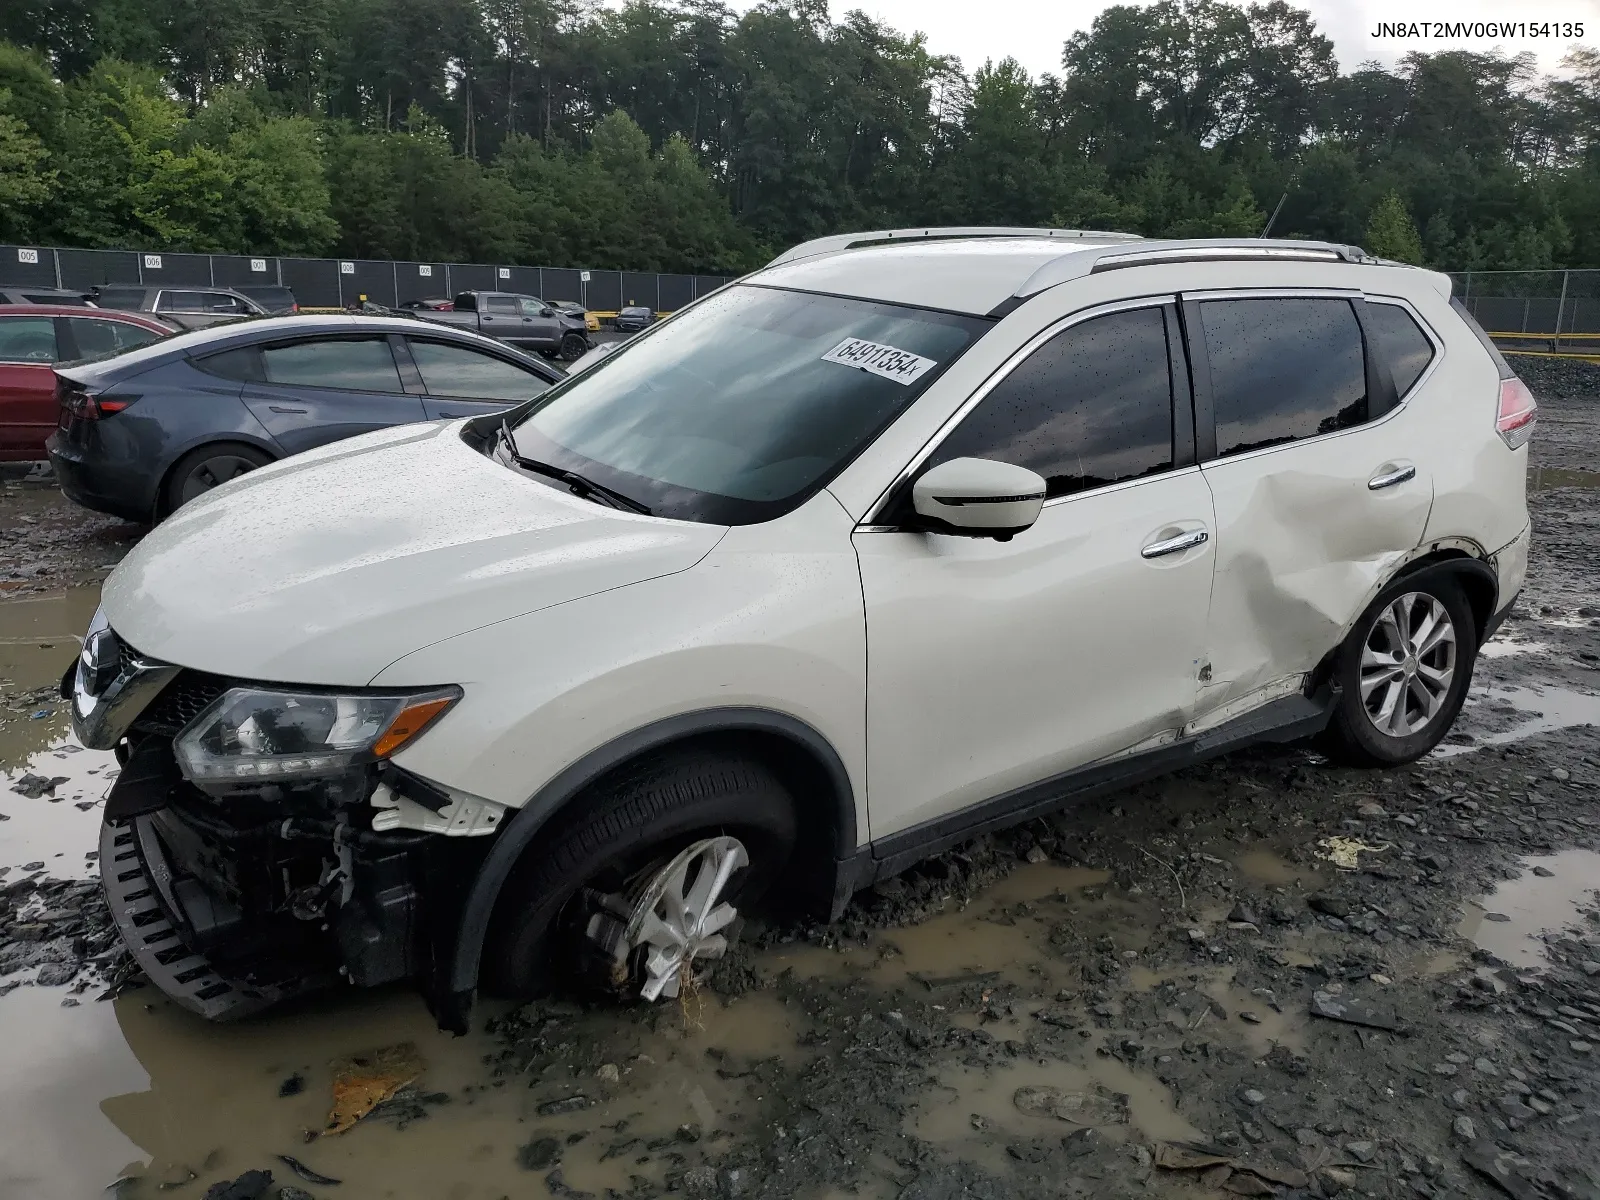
(633, 318)
(274, 298)
(32, 337)
(144, 433)
(883, 547)
(28, 294)
(185, 307)
(526, 322)
(431, 304)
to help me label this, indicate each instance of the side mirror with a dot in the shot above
(547, 311)
(978, 497)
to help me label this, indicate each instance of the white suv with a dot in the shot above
(905, 537)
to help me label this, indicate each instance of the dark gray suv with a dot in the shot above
(142, 433)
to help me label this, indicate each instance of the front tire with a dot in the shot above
(573, 347)
(1403, 673)
(631, 838)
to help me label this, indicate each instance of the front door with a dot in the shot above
(459, 381)
(321, 390)
(539, 327)
(996, 665)
(1321, 484)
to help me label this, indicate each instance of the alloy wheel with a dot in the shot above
(1408, 662)
(214, 472)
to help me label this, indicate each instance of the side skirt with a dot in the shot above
(1285, 720)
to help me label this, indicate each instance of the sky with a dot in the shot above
(1032, 31)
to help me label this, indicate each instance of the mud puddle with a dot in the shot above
(1498, 716)
(1546, 898)
(1545, 479)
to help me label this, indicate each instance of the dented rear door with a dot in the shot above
(1321, 483)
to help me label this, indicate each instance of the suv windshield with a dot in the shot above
(741, 407)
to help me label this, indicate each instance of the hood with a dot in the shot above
(327, 567)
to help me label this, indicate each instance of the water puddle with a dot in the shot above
(1263, 866)
(1544, 479)
(1546, 897)
(1505, 648)
(1530, 711)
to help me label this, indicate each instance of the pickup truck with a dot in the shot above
(526, 322)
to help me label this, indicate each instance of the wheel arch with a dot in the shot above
(800, 755)
(232, 438)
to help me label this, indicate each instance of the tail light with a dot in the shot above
(294, 308)
(1518, 413)
(78, 402)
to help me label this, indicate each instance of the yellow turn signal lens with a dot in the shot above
(413, 719)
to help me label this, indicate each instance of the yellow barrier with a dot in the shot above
(1589, 358)
(1549, 337)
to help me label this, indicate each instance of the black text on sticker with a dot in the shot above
(899, 365)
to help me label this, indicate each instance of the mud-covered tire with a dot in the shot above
(573, 347)
(1354, 736)
(641, 817)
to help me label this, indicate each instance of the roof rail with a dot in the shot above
(847, 241)
(1211, 250)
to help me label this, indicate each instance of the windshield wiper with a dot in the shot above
(584, 488)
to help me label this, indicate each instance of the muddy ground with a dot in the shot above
(1176, 991)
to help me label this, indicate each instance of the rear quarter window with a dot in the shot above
(1477, 331)
(1402, 343)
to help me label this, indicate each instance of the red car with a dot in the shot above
(34, 336)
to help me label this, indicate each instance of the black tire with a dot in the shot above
(573, 347)
(204, 468)
(641, 818)
(1353, 736)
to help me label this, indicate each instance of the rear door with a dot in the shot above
(28, 346)
(459, 381)
(539, 326)
(317, 390)
(500, 317)
(1321, 480)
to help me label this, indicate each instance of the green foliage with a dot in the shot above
(1391, 233)
(679, 135)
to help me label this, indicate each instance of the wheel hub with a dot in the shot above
(672, 918)
(1408, 664)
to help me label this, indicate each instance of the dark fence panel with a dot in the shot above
(1583, 316)
(640, 288)
(523, 279)
(232, 270)
(314, 281)
(15, 266)
(176, 270)
(674, 291)
(417, 281)
(367, 277)
(562, 284)
(470, 277)
(706, 283)
(91, 268)
(603, 292)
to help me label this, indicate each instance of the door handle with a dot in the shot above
(1390, 478)
(444, 416)
(284, 408)
(1174, 545)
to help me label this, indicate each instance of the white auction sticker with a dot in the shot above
(902, 366)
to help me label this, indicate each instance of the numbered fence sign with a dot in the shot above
(347, 268)
(583, 276)
(258, 264)
(505, 272)
(27, 256)
(424, 269)
(152, 262)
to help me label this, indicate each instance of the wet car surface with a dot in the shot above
(1045, 1012)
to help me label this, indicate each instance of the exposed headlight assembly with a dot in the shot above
(255, 735)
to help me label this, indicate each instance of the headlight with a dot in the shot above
(253, 735)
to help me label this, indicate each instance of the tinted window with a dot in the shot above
(54, 298)
(1282, 369)
(532, 308)
(242, 364)
(115, 297)
(501, 304)
(744, 405)
(96, 338)
(361, 365)
(1402, 343)
(27, 339)
(1090, 407)
(188, 302)
(469, 374)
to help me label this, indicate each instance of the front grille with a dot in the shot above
(181, 701)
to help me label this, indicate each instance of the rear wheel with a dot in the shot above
(1403, 673)
(643, 878)
(573, 347)
(205, 468)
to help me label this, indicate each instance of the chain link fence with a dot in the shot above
(335, 283)
(1558, 307)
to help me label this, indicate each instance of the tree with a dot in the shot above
(1391, 233)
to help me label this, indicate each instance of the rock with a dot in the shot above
(1252, 1097)
(1498, 917)
(1197, 935)
(55, 974)
(292, 1086)
(1544, 872)
(1059, 1015)
(1037, 854)
(700, 1181)
(286, 1192)
(539, 1154)
(1250, 1018)
(1465, 1129)
(608, 1073)
(252, 1185)
(1027, 1154)
(554, 1108)
(733, 1183)
(1093, 1109)
(1329, 906)
(1351, 1012)
(1362, 1152)
(1560, 774)
(1244, 916)
(1372, 810)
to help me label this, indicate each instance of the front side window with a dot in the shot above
(1402, 343)
(1282, 369)
(472, 375)
(350, 364)
(1091, 407)
(532, 308)
(741, 407)
(97, 338)
(27, 339)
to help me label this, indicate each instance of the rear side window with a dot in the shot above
(99, 337)
(1091, 407)
(28, 340)
(243, 364)
(54, 298)
(1402, 343)
(351, 364)
(182, 302)
(501, 304)
(1282, 369)
(115, 297)
(469, 374)
(1477, 331)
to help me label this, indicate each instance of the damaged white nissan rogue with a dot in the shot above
(907, 536)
